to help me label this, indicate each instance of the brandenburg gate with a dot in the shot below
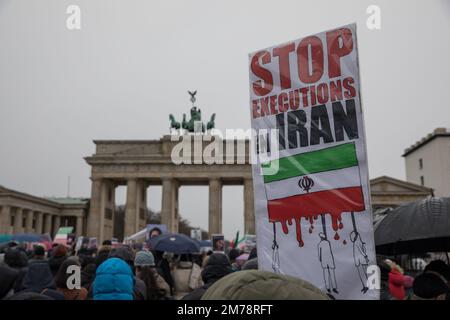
(137, 164)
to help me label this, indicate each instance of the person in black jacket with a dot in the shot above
(38, 255)
(217, 267)
(8, 277)
(163, 268)
(59, 255)
(17, 260)
(39, 279)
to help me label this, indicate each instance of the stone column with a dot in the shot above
(249, 207)
(29, 221)
(56, 224)
(39, 224)
(109, 205)
(169, 206)
(79, 226)
(96, 210)
(5, 220)
(215, 206)
(18, 221)
(142, 201)
(48, 223)
(131, 208)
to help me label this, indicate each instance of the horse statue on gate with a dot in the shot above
(194, 124)
(173, 123)
(211, 125)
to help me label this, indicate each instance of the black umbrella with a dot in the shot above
(174, 242)
(416, 227)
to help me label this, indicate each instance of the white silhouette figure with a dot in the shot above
(360, 257)
(327, 262)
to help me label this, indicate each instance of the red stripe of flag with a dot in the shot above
(333, 201)
(311, 205)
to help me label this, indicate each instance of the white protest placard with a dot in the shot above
(311, 185)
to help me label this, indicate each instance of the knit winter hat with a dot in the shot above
(144, 258)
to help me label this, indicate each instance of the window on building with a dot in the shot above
(422, 180)
(108, 213)
(420, 163)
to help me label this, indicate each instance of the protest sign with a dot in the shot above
(218, 242)
(196, 234)
(311, 186)
(154, 230)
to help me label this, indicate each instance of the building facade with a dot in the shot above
(388, 192)
(137, 164)
(427, 162)
(24, 213)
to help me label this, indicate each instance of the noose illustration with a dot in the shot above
(359, 255)
(275, 255)
(326, 259)
(324, 227)
(354, 223)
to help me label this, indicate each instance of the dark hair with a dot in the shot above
(147, 274)
(429, 286)
(107, 243)
(155, 229)
(233, 254)
(39, 251)
(60, 251)
(440, 267)
(62, 275)
(253, 254)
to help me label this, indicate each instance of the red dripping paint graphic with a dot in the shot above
(285, 227)
(310, 230)
(336, 236)
(299, 232)
(344, 242)
(311, 205)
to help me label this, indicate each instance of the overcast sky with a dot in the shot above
(132, 61)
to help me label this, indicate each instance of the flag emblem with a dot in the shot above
(329, 181)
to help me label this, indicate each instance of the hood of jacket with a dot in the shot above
(262, 285)
(16, 259)
(217, 267)
(8, 276)
(113, 281)
(38, 278)
(124, 253)
(55, 262)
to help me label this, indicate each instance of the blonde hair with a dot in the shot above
(393, 265)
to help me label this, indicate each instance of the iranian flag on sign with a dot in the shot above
(309, 184)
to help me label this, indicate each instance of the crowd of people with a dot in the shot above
(432, 283)
(131, 272)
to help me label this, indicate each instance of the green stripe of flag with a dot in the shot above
(333, 158)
